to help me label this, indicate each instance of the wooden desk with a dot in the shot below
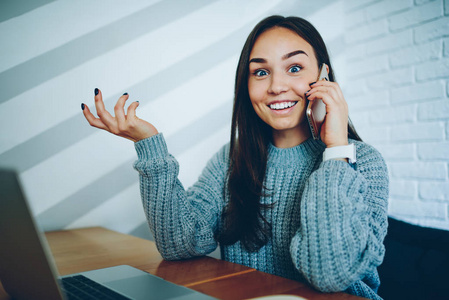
(93, 248)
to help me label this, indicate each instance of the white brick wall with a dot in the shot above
(397, 88)
(389, 42)
(385, 8)
(419, 53)
(431, 30)
(416, 15)
(417, 92)
(433, 151)
(355, 4)
(390, 78)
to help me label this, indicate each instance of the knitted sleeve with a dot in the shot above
(343, 221)
(182, 222)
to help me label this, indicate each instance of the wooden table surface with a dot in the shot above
(93, 248)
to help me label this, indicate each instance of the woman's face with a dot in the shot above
(281, 67)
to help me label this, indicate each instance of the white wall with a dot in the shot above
(398, 69)
(178, 59)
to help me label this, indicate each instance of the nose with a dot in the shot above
(278, 84)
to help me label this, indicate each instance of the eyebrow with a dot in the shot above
(288, 55)
(284, 57)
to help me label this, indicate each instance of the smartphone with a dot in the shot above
(316, 109)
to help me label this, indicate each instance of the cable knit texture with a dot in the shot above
(329, 219)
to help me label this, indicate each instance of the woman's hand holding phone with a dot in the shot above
(334, 131)
(127, 125)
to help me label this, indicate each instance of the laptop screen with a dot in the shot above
(26, 269)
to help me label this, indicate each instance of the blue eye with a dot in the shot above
(260, 73)
(294, 69)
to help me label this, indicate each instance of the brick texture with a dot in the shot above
(432, 30)
(436, 110)
(404, 189)
(397, 56)
(398, 152)
(434, 151)
(433, 70)
(418, 92)
(351, 5)
(418, 170)
(434, 191)
(394, 115)
(367, 32)
(416, 54)
(392, 41)
(432, 131)
(390, 78)
(416, 16)
(385, 8)
(419, 209)
(446, 47)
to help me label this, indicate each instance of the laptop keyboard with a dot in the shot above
(80, 287)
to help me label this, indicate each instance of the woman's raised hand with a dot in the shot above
(128, 126)
(334, 131)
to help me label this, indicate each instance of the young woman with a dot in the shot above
(270, 198)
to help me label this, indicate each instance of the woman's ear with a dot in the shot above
(327, 69)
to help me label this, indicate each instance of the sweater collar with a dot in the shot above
(309, 149)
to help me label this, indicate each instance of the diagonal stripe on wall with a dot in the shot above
(55, 62)
(13, 8)
(35, 150)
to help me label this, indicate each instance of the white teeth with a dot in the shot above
(282, 105)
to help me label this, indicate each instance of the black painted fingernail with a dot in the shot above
(308, 92)
(96, 91)
(313, 83)
(125, 94)
(82, 106)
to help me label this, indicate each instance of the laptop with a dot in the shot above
(27, 270)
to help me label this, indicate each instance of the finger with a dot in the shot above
(336, 90)
(312, 94)
(332, 87)
(120, 111)
(331, 104)
(320, 91)
(104, 115)
(131, 113)
(94, 122)
(321, 83)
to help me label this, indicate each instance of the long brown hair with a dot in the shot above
(242, 218)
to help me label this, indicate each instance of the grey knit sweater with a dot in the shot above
(329, 219)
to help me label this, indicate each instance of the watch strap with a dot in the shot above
(347, 151)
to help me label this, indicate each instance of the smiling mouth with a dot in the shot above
(282, 105)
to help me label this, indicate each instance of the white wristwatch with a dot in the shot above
(347, 151)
